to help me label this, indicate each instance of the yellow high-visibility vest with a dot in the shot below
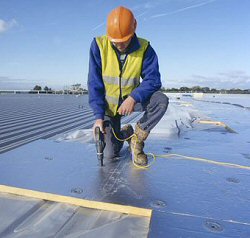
(119, 82)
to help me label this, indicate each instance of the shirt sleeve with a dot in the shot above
(96, 87)
(151, 77)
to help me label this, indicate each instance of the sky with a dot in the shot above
(198, 42)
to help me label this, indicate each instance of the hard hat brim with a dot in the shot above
(120, 40)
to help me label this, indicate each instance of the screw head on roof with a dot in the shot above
(213, 226)
(233, 180)
(48, 158)
(158, 204)
(77, 190)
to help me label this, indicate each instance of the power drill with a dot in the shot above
(99, 143)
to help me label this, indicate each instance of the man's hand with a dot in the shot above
(127, 107)
(98, 123)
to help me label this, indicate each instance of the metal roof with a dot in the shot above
(189, 198)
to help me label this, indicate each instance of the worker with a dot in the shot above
(118, 62)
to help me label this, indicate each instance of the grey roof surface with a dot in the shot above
(26, 117)
(189, 198)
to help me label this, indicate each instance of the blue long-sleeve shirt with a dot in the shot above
(150, 74)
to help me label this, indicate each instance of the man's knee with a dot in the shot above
(160, 99)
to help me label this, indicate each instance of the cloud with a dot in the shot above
(136, 9)
(142, 9)
(221, 80)
(141, 14)
(6, 25)
(144, 6)
(199, 4)
(230, 79)
(98, 26)
(236, 76)
(7, 83)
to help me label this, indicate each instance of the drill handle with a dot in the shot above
(100, 144)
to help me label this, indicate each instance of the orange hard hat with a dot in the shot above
(121, 25)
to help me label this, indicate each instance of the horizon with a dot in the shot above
(69, 88)
(198, 42)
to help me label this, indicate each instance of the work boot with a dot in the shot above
(137, 144)
(126, 132)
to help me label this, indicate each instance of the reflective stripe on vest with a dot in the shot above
(115, 81)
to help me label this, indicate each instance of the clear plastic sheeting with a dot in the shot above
(29, 218)
(178, 119)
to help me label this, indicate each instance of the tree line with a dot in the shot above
(198, 89)
(73, 89)
(77, 89)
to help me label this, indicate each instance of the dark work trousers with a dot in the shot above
(154, 109)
